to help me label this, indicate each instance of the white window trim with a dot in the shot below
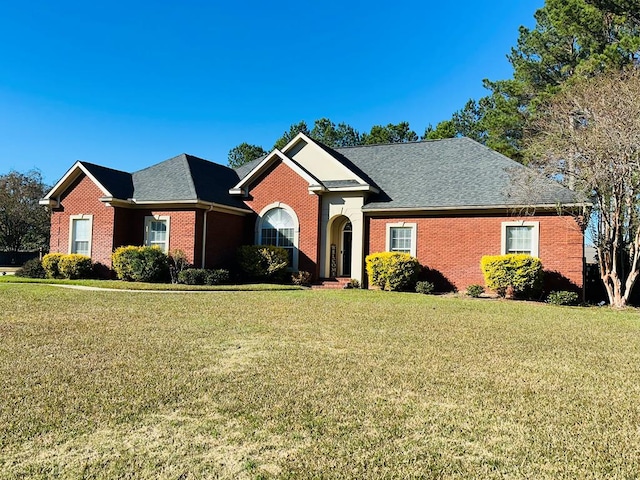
(535, 236)
(83, 216)
(296, 229)
(147, 225)
(414, 235)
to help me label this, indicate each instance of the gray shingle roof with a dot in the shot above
(450, 173)
(186, 177)
(118, 183)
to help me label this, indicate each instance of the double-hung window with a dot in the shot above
(520, 237)
(401, 238)
(156, 232)
(80, 238)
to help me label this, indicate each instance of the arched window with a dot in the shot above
(278, 227)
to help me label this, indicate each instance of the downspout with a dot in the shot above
(204, 235)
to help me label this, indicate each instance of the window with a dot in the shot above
(520, 237)
(401, 237)
(278, 227)
(80, 238)
(156, 232)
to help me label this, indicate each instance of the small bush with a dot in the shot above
(475, 290)
(177, 263)
(50, 264)
(193, 276)
(353, 283)
(563, 298)
(301, 278)
(424, 287)
(522, 273)
(218, 276)
(263, 263)
(392, 271)
(75, 266)
(201, 276)
(32, 269)
(140, 264)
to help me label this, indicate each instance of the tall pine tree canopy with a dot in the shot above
(571, 38)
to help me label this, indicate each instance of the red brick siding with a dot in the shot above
(82, 197)
(225, 233)
(454, 245)
(282, 184)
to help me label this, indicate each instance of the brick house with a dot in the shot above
(447, 202)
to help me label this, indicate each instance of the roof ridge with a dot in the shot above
(401, 143)
(187, 160)
(84, 162)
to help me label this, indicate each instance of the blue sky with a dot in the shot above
(129, 84)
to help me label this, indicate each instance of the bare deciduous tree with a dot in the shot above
(588, 136)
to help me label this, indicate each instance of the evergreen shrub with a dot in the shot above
(74, 265)
(522, 273)
(263, 263)
(140, 264)
(50, 263)
(31, 269)
(392, 271)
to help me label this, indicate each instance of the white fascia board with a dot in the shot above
(355, 188)
(70, 176)
(276, 154)
(310, 141)
(196, 203)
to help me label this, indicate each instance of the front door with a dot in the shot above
(346, 250)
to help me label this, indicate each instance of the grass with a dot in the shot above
(120, 285)
(310, 384)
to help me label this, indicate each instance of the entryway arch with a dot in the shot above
(340, 246)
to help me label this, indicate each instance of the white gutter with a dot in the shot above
(471, 207)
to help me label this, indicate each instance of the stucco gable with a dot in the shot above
(312, 161)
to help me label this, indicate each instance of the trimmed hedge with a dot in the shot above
(71, 266)
(392, 271)
(202, 276)
(50, 263)
(522, 273)
(75, 266)
(263, 262)
(140, 264)
(31, 269)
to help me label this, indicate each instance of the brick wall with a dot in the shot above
(281, 184)
(225, 233)
(82, 198)
(453, 246)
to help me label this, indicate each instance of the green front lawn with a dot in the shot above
(309, 384)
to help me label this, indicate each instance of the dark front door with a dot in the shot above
(346, 250)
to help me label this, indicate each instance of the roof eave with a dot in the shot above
(460, 208)
(197, 203)
(68, 178)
